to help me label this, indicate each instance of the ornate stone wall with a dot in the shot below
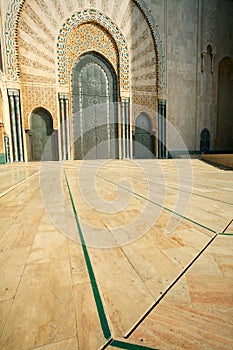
(90, 37)
(33, 96)
(87, 43)
(44, 41)
(40, 24)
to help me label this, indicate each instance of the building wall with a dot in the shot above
(174, 49)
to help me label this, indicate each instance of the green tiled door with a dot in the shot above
(94, 97)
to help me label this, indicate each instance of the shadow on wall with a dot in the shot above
(224, 136)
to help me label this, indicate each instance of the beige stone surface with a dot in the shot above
(89, 330)
(44, 306)
(229, 228)
(46, 296)
(222, 159)
(4, 311)
(197, 312)
(68, 344)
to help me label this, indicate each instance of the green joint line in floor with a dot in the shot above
(98, 301)
(225, 234)
(159, 205)
(228, 225)
(123, 345)
(180, 190)
(196, 194)
(170, 287)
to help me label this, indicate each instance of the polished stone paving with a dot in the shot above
(154, 269)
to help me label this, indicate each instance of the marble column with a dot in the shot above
(64, 126)
(16, 125)
(161, 128)
(125, 128)
(67, 127)
(62, 129)
(19, 128)
(13, 127)
(7, 149)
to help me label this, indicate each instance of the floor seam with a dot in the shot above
(17, 288)
(17, 184)
(74, 304)
(159, 205)
(227, 226)
(169, 288)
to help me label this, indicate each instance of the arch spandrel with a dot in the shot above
(87, 37)
(111, 30)
(11, 31)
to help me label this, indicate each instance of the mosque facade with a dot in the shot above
(93, 79)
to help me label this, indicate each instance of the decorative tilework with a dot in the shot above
(13, 15)
(162, 71)
(38, 96)
(92, 15)
(90, 37)
(11, 38)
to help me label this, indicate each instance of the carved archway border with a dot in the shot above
(12, 19)
(160, 56)
(13, 15)
(92, 15)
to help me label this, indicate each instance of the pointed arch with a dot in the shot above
(95, 16)
(42, 138)
(224, 131)
(143, 138)
(11, 32)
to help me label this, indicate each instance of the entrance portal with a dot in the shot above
(94, 97)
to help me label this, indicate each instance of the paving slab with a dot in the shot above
(161, 272)
(197, 312)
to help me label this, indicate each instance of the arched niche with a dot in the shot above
(205, 140)
(224, 130)
(143, 138)
(42, 139)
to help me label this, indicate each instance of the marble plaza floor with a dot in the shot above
(116, 255)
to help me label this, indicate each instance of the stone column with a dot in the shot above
(67, 121)
(19, 128)
(7, 149)
(125, 128)
(161, 128)
(62, 125)
(13, 125)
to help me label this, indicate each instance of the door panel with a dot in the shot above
(94, 91)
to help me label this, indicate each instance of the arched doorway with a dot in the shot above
(41, 131)
(94, 97)
(205, 140)
(224, 132)
(144, 143)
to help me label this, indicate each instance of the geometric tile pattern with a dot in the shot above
(12, 21)
(40, 46)
(97, 17)
(36, 96)
(88, 37)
